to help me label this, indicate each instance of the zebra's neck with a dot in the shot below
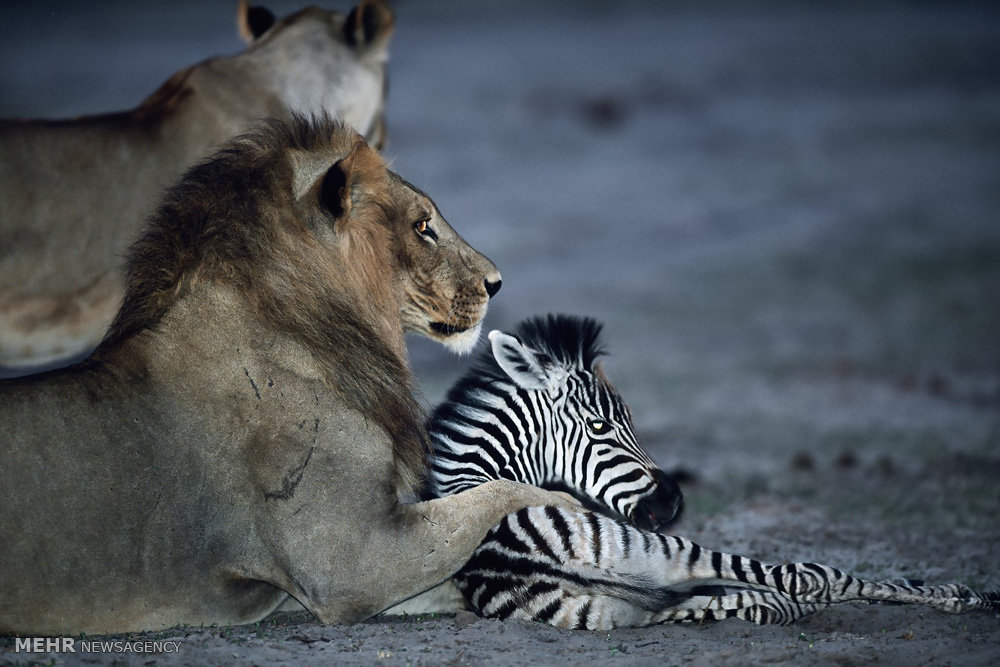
(483, 435)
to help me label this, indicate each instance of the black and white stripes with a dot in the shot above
(585, 571)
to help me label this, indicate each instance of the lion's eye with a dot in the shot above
(599, 426)
(424, 229)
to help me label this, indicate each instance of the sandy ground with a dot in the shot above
(788, 221)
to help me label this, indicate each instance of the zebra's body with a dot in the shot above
(586, 571)
(526, 414)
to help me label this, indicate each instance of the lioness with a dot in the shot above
(247, 427)
(73, 193)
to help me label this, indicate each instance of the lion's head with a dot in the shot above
(446, 284)
(392, 238)
(329, 248)
(310, 212)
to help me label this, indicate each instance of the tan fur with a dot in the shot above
(243, 434)
(73, 193)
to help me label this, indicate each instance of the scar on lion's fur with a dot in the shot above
(290, 481)
(337, 306)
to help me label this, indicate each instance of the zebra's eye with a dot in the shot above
(424, 229)
(599, 426)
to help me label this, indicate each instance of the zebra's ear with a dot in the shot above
(528, 368)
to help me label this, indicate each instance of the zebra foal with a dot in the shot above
(539, 410)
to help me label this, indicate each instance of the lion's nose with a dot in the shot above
(493, 287)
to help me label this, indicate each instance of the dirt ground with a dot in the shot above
(787, 217)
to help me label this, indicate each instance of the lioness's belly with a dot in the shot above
(39, 329)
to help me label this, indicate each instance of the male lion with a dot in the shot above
(73, 192)
(247, 427)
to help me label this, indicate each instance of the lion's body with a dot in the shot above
(74, 193)
(154, 524)
(244, 432)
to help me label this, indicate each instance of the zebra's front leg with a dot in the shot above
(813, 583)
(754, 606)
(951, 598)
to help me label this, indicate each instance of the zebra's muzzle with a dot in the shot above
(662, 507)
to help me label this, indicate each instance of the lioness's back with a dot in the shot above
(73, 194)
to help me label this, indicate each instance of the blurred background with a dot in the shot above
(786, 215)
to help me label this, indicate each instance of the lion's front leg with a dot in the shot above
(418, 547)
(442, 533)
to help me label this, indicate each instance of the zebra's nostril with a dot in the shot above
(662, 508)
(493, 287)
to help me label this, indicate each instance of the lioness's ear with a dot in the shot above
(252, 22)
(369, 25)
(528, 368)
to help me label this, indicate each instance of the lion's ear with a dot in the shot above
(331, 186)
(334, 193)
(252, 22)
(369, 25)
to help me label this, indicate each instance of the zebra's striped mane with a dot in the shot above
(572, 342)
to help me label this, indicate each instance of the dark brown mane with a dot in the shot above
(231, 220)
